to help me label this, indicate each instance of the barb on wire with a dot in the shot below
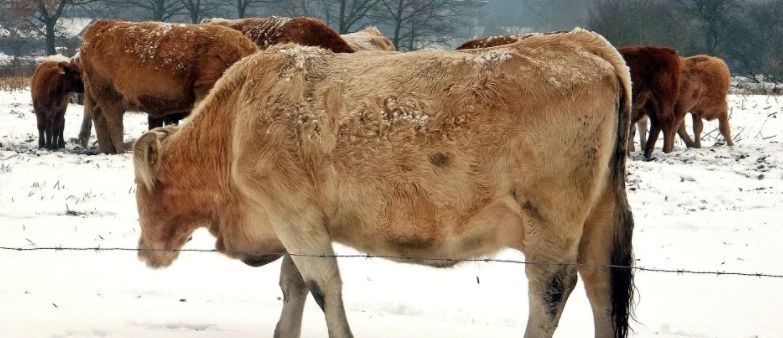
(413, 259)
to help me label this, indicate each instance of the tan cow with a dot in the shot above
(275, 30)
(704, 86)
(157, 68)
(52, 82)
(368, 39)
(437, 155)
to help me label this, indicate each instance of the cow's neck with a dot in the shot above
(197, 161)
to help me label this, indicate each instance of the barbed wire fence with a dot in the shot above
(409, 259)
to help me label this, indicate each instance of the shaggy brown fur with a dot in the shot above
(489, 41)
(655, 73)
(273, 30)
(368, 39)
(157, 68)
(51, 85)
(704, 86)
(431, 154)
(499, 40)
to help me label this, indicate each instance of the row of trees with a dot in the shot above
(747, 33)
(410, 24)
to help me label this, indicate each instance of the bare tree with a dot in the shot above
(351, 12)
(194, 9)
(627, 22)
(157, 10)
(243, 6)
(420, 23)
(753, 41)
(714, 17)
(41, 16)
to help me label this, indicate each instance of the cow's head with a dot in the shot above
(71, 72)
(166, 213)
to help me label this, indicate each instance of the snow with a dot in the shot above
(716, 208)
(498, 55)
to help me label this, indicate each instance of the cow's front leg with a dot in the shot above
(306, 238)
(294, 297)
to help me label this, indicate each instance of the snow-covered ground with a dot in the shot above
(715, 208)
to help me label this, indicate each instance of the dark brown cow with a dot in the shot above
(655, 73)
(51, 85)
(157, 68)
(703, 90)
(273, 30)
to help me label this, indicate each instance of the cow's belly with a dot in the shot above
(440, 241)
(158, 105)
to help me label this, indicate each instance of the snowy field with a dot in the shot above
(715, 208)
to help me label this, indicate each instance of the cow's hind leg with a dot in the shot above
(105, 145)
(61, 130)
(113, 113)
(307, 240)
(684, 134)
(606, 262)
(549, 286)
(594, 255)
(85, 131)
(294, 297)
(642, 127)
(725, 129)
(698, 127)
(551, 253)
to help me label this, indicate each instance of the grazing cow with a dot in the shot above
(157, 68)
(655, 73)
(368, 39)
(704, 86)
(274, 30)
(437, 155)
(52, 83)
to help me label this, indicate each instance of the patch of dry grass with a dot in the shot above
(8, 83)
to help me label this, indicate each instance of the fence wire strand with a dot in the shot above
(413, 259)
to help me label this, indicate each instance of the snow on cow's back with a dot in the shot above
(165, 46)
(56, 58)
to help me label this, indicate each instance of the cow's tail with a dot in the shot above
(621, 273)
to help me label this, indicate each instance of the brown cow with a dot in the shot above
(705, 85)
(51, 85)
(157, 68)
(274, 30)
(368, 39)
(655, 73)
(437, 155)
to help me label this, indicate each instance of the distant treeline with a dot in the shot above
(746, 33)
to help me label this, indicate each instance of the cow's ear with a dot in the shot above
(146, 156)
(62, 67)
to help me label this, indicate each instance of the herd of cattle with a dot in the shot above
(164, 69)
(427, 157)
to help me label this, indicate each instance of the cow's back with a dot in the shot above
(368, 39)
(154, 66)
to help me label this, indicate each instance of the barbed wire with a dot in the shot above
(411, 259)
